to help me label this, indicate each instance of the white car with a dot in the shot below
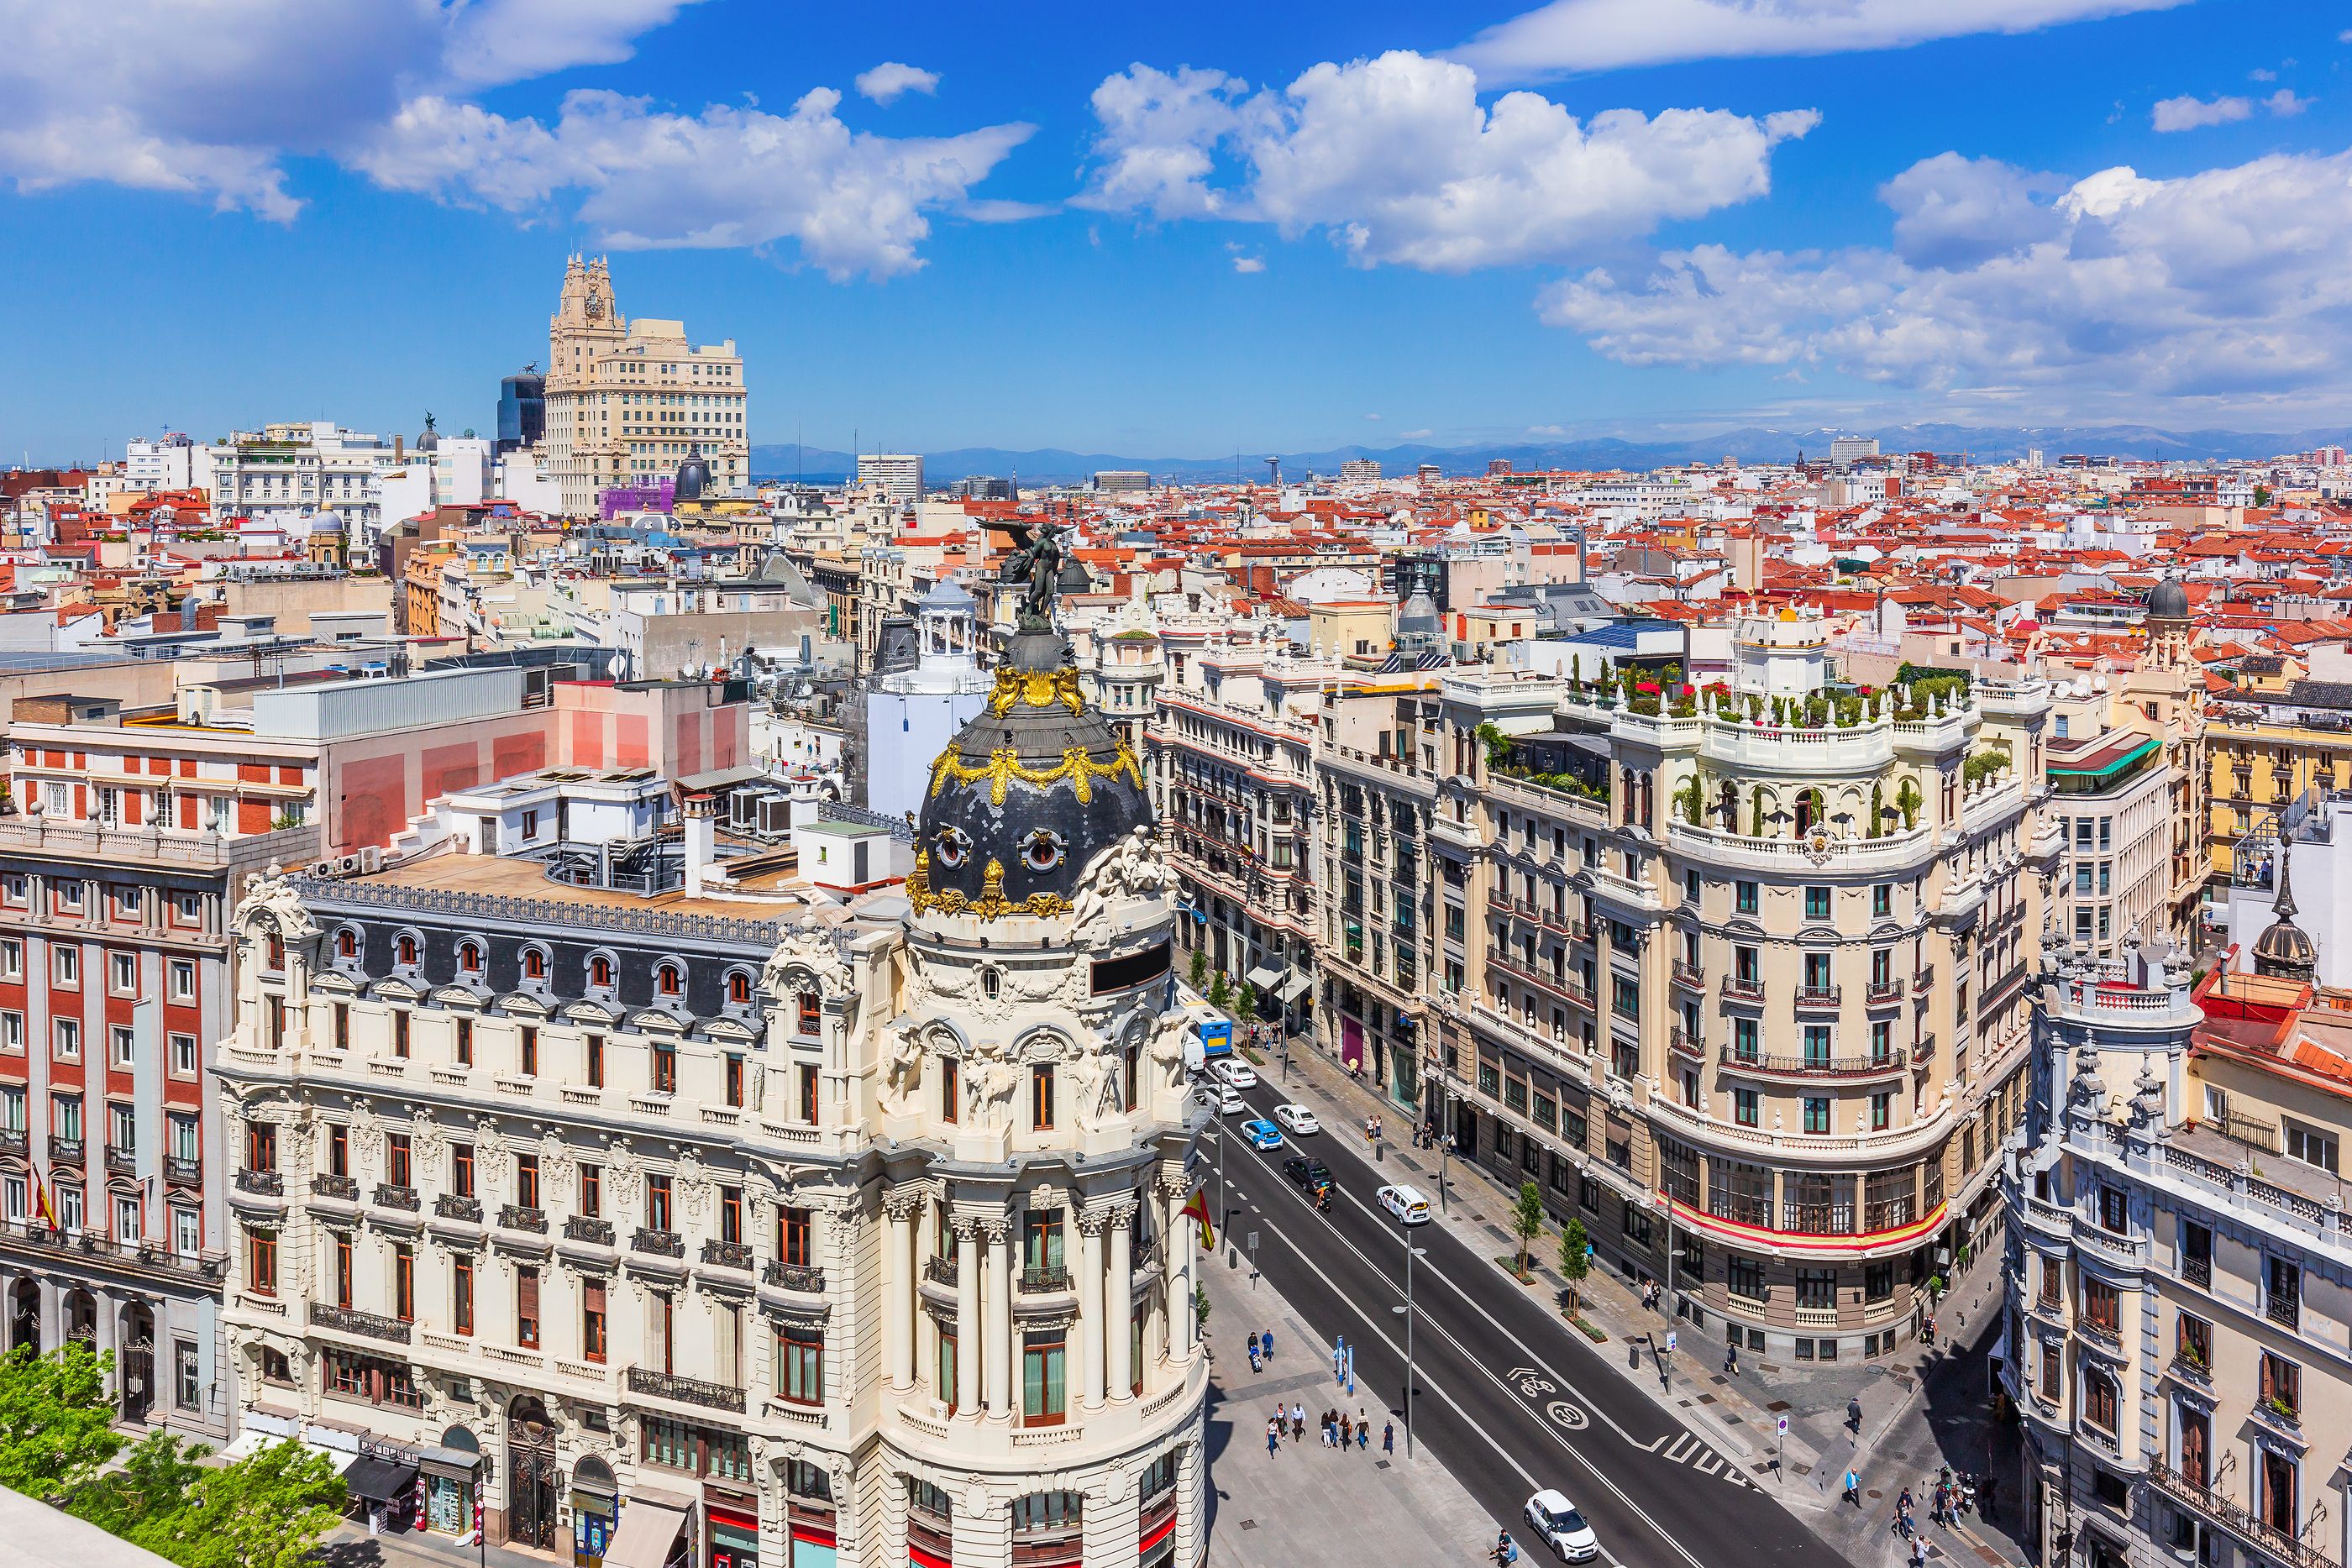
(1233, 1071)
(1405, 1202)
(1229, 1100)
(1556, 1523)
(1298, 1119)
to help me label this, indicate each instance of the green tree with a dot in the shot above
(1573, 1263)
(54, 1418)
(2261, 495)
(140, 1500)
(1221, 992)
(1527, 1219)
(1200, 967)
(1245, 1000)
(267, 1511)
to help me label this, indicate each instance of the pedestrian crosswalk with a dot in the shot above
(1686, 1448)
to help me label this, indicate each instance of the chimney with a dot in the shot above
(701, 837)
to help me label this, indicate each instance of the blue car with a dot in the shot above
(1261, 1135)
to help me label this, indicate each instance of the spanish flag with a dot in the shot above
(1199, 1209)
(41, 1199)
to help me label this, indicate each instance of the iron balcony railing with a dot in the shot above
(326, 1183)
(727, 1254)
(684, 1390)
(522, 1217)
(350, 1319)
(803, 1277)
(263, 1184)
(455, 1206)
(661, 1243)
(588, 1229)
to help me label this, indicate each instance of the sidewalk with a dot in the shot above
(351, 1546)
(1308, 1504)
(1922, 1408)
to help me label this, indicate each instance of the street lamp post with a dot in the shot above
(1411, 1252)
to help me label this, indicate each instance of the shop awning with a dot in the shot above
(1266, 976)
(1298, 986)
(372, 1479)
(648, 1530)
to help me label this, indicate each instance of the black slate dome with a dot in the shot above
(1022, 802)
(693, 477)
(2169, 601)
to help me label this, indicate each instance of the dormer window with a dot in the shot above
(407, 951)
(669, 980)
(347, 942)
(738, 989)
(534, 965)
(600, 971)
(469, 957)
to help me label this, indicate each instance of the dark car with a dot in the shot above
(1312, 1175)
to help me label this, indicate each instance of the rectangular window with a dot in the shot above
(1045, 1392)
(2101, 1306)
(1817, 904)
(592, 1320)
(800, 1366)
(399, 1033)
(1744, 1107)
(2281, 1385)
(123, 974)
(64, 966)
(593, 1060)
(260, 1146)
(657, 1201)
(403, 1282)
(69, 1038)
(948, 1090)
(261, 1262)
(2311, 1145)
(1817, 1114)
(461, 1295)
(123, 1045)
(1882, 900)
(461, 1169)
(528, 1052)
(734, 1080)
(1744, 897)
(527, 1307)
(665, 1068)
(464, 1043)
(12, 1032)
(1041, 1098)
(808, 1076)
(591, 1191)
(395, 1159)
(2194, 1345)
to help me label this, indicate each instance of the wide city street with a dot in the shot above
(1510, 1396)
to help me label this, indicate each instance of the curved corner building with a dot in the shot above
(630, 1194)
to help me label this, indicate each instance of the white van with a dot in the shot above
(1406, 1203)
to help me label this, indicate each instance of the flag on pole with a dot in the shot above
(1198, 1208)
(41, 1199)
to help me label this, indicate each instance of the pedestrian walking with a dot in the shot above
(1852, 1488)
(1388, 1437)
(1347, 1430)
(1272, 1434)
(1731, 1358)
(1918, 1551)
(1363, 1437)
(1267, 1338)
(1853, 1416)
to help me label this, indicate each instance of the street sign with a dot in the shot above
(1670, 1339)
(1781, 1425)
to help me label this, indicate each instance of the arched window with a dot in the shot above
(599, 970)
(469, 957)
(535, 963)
(669, 980)
(276, 947)
(808, 1012)
(739, 987)
(347, 942)
(407, 950)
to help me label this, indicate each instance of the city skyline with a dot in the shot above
(1179, 235)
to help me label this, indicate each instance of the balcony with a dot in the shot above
(1045, 1280)
(521, 1216)
(1811, 1066)
(65, 1151)
(1817, 1219)
(388, 1196)
(171, 847)
(584, 1227)
(181, 1172)
(455, 1206)
(659, 1243)
(2268, 1539)
(121, 1161)
(1811, 998)
(1690, 975)
(31, 1235)
(728, 1255)
(326, 1183)
(1883, 993)
(804, 1278)
(940, 1270)
(684, 1390)
(261, 1184)
(1748, 989)
(347, 1320)
(2198, 1270)
(12, 1141)
(2284, 1308)
(1683, 1041)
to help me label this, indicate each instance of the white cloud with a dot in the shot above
(1607, 35)
(1415, 435)
(1374, 417)
(2259, 74)
(889, 82)
(1249, 264)
(727, 177)
(2222, 284)
(1553, 430)
(1951, 210)
(2284, 104)
(1397, 161)
(2184, 113)
(210, 101)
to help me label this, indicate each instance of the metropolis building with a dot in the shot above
(618, 1184)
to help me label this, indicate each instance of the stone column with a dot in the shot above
(1090, 1307)
(1178, 1243)
(996, 1319)
(900, 1278)
(1118, 1323)
(968, 1327)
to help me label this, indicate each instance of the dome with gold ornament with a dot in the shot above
(1026, 795)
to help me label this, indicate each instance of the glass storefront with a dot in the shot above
(448, 1506)
(593, 1515)
(734, 1537)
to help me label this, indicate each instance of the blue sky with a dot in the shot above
(1185, 230)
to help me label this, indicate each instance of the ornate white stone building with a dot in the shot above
(649, 1199)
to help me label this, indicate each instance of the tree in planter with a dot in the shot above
(1527, 1220)
(1245, 1000)
(1200, 967)
(1573, 1262)
(55, 1418)
(1221, 993)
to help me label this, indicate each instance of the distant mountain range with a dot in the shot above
(1749, 444)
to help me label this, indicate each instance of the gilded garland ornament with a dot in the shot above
(991, 904)
(1005, 765)
(1036, 689)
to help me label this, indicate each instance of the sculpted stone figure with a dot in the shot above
(1130, 868)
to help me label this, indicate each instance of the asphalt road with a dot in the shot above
(1506, 1393)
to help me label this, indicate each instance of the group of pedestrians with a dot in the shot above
(1339, 1429)
(1427, 1136)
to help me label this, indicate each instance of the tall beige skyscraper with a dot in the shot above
(627, 401)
